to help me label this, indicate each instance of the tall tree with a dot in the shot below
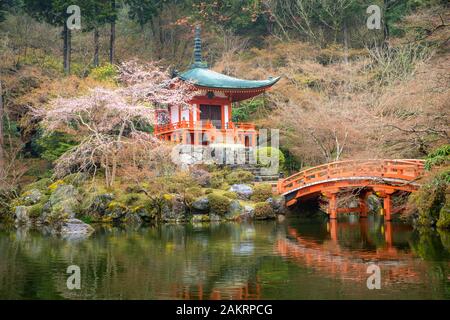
(143, 11)
(2, 162)
(54, 12)
(112, 36)
(96, 14)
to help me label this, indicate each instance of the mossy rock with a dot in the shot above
(217, 179)
(218, 204)
(262, 192)
(230, 195)
(130, 199)
(200, 218)
(76, 179)
(35, 211)
(41, 185)
(55, 185)
(194, 191)
(444, 215)
(240, 176)
(263, 210)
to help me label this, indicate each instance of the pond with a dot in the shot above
(293, 259)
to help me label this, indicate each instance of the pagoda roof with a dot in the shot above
(204, 77)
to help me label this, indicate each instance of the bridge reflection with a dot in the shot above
(332, 258)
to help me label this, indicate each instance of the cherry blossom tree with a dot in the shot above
(107, 121)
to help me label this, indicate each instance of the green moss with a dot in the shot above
(41, 185)
(217, 179)
(218, 204)
(209, 190)
(429, 200)
(107, 72)
(194, 191)
(130, 199)
(230, 195)
(262, 192)
(55, 185)
(36, 210)
(240, 176)
(444, 214)
(266, 156)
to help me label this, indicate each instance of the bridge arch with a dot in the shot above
(383, 177)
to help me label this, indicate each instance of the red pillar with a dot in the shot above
(332, 206)
(387, 206)
(333, 230)
(388, 234)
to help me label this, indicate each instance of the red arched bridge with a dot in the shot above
(383, 177)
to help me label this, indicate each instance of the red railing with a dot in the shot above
(404, 169)
(201, 125)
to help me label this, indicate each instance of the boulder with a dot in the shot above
(200, 218)
(175, 211)
(99, 203)
(75, 228)
(278, 205)
(235, 211)
(32, 197)
(243, 191)
(116, 210)
(62, 204)
(22, 215)
(248, 213)
(214, 217)
(132, 218)
(201, 204)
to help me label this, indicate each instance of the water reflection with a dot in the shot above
(296, 259)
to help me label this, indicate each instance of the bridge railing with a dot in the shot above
(404, 169)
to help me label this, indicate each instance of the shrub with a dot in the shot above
(36, 210)
(132, 198)
(231, 195)
(201, 176)
(429, 200)
(194, 191)
(262, 192)
(240, 176)
(176, 183)
(52, 146)
(263, 210)
(444, 214)
(217, 179)
(438, 157)
(218, 204)
(267, 155)
(107, 72)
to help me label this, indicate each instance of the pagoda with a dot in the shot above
(209, 120)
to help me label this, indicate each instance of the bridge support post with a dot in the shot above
(387, 205)
(333, 230)
(332, 204)
(388, 234)
(387, 202)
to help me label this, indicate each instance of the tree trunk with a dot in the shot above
(66, 49)
(96, 47)
(385, 25)
(2, 160)
(112, 38)
(345, 43)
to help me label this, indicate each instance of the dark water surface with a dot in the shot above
(294, 259)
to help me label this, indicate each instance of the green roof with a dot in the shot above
(207, 78)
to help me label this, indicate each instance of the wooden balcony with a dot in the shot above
(203, 125)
